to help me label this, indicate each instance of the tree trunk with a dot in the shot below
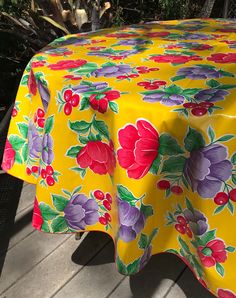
(207, 9)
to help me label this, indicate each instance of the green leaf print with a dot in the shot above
(121, 266)
(147, 210)
(23, 129)
(125, 194)
(101, 128)
(49, 124)
(47, 212)
(143, 241)
(174, 164)
(133, 268)
(193, 140)
(73, 151)
(59, 202)
(16, 142)
(220, 269)
(79, 126)
(169, 146)
(155, 165)
(59, 225)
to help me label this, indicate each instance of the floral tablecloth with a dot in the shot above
(131, 131)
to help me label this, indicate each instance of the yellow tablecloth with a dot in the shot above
(131, 132)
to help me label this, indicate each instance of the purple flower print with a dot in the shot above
(196, 221)
(44, 94)
(81, 211)
(133, 42)
(196, 36)
(207, 168)
(56, 51)
(47, 153)
(71, 40)
(198, 72)
(118, 53)
(34, 141)
(165, 98)
(131, 221)
(211, 95)
(112, 71)
(145, 257)
(82, 88)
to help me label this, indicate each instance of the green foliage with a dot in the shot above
(14, 7)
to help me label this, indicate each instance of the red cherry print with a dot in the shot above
(176, 190)
(109, 198)
(43, 173)
(190, 105)
(189, 232)
(180, 228)
(181, 220)
(199, 111)
(68, 95)
(221, 198)
(14, 112)
(99, 195)
(34, 169)
(28, 171)
(67, 108)
(143, 71)
(206, 104)
(232, 195)
(75, 100)
(122, 77)
(107, 216)
(107, 205)
(40, 113)
(160, 83)
(133, 75)
(41, 122)
(142, 68)
(153, 68)
(50, 180)
(143, 84)
(76, 78)
(49, 170)
(151, 87)
(68, 76)
(163, 184)
(103, 220)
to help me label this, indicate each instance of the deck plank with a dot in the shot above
(26, 198)
(58, 268)
(154, 280)
(96, 280)
(26, 254)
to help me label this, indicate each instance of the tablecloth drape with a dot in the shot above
(131, 131)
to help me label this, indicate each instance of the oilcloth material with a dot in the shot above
(131, 131)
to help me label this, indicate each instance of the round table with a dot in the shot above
(131, 131)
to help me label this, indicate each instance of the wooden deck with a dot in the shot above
(39, 265)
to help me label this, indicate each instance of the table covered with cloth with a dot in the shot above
(131, 132)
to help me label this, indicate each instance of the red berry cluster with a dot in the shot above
(98, 40)
(38, 63)
(72, 101)
(198, 109)
(165, 184)
(117, 57)
(14, 112)
(151, 85)
(39, 117)
(182, 226)
(145, 69)
(72, 77)
(133, 75)
(106, 200)
(222, 198)
(33, 169)
(47, 174)
(96, 48)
